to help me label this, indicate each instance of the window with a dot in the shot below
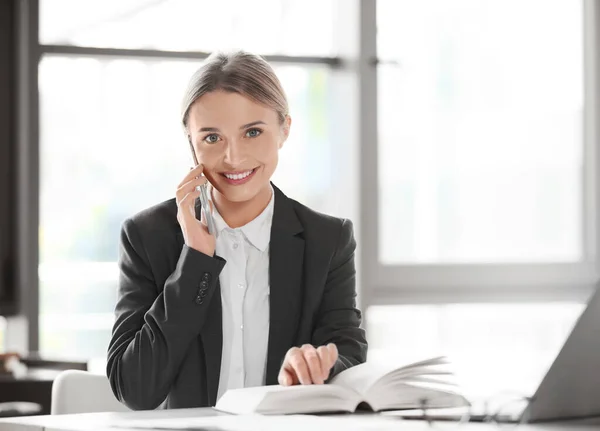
(111, 142)
(480, 131)
(481, 186)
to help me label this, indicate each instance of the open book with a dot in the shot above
(424, 384)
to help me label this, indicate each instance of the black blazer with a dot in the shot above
(167, 338)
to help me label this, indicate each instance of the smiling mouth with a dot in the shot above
(238, 177)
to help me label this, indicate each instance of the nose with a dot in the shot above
(234, 153)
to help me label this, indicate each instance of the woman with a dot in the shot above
(270, 298)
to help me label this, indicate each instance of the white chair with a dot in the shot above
(75, 391)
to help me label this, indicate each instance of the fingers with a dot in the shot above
(333, 357)
(195, 172)
(328, 355)
(323, 353)
(297, 365)
(313, 362)
(186, 214)
(333, 353)
(184, 189)
(203, 215)
(187, 203)
(193, 179)
(286, 378)
(308, 365)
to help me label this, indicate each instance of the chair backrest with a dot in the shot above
(75, 391)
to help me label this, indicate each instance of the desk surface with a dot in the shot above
(103, 421)
(93, 421)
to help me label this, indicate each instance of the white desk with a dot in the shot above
(93, 421)
(102, 421)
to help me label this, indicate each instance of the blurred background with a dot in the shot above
(460, 136)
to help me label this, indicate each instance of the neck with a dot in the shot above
(237, 214)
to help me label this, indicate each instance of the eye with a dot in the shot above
(212, 138)
(253, 133)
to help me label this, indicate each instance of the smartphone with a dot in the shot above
(204, 198)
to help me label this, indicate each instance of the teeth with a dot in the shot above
(239, 176)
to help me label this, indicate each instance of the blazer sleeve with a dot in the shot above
(154, 327)
(338, 319)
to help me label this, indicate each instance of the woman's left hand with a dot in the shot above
(307, 365)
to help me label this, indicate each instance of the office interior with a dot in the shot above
(460, 137)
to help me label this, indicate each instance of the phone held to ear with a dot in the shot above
(210, 221)
(204, 201)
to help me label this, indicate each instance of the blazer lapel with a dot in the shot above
(286, 257)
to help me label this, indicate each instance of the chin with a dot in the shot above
(239, 194)
(238, 197)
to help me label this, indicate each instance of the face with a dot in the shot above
(238, 141)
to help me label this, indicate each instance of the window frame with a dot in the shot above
(452, 283)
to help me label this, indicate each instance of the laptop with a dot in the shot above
(571, 387)
(569, 390)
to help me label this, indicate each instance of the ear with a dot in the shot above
(285, 130)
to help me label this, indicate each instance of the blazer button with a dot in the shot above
(202, 293)
(204, 284)
(206, 277)
(199, 300)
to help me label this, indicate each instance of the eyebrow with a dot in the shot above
(245, 126)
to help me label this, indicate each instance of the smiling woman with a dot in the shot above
(238, 93)
(234, 154)
(268, 298)
(78, 256)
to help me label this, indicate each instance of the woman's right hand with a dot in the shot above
(195, 232)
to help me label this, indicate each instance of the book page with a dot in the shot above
(362, 377)
(449, 379)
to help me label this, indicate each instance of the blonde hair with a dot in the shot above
(237, 72)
